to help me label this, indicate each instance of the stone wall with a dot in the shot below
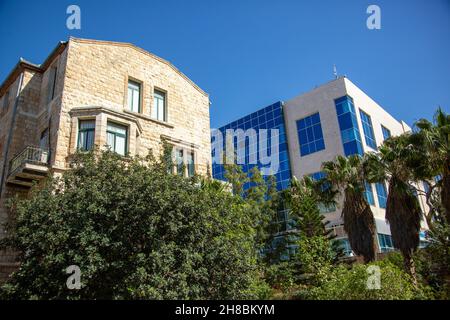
(97, 76)
(91, 83)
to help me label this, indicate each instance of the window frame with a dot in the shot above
(306, 127)
(139, 84)
(368, 193)
(87, 130)
(381, 186)
(180, 166)
(162, 93)
(126, 136)
(190, 166)
(385, 130)
(369, 134)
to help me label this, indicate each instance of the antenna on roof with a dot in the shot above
(335, 71)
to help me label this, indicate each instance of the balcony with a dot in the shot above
(28, 166)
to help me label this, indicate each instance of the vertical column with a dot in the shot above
(101, 121)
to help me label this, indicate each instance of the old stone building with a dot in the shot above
(88, 93)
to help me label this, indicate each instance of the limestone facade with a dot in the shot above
(42, 106)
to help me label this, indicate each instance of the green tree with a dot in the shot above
(135, 231)
(303, 203)
(343, 283)
(345, 176)
(436, 146)
(236, 177)
(392, 163)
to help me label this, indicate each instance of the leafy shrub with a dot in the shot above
(344, 283)
(135, 231)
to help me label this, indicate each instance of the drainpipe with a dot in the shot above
(10, 133)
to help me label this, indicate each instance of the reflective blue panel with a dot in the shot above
(368, 194)
(348, 125)
(381, 194)
(270, 117)
(368, 129)
(310, 134)
(386, 132)
(385, 242)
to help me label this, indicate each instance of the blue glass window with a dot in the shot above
(385, 242)
(368, 129)
(270, 117)
(382, 194)
(316, 176)
(348, 124)
(345, 245)
(386, 132)
(310, 134)
(368, 194)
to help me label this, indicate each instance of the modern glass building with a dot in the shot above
(336, 118)
(271, 119)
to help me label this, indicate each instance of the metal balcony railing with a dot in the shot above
(30, 154)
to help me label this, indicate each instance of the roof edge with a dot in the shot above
(131, 45)
(23, 64)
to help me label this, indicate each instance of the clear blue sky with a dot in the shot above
(250, 53)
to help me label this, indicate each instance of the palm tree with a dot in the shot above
(393, 163)
(436, 143)
(345, 175)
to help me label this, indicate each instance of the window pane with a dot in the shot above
(116, 128)
(134, 89)
(87, 124)
(155, 108)
(117, 138)
(130, 98)
(81, 139)
(190, 164)
(110, 140)
(368, 129)
(159, 105)
(135, 101)
(179, 162)
(310, 134)
(161, 111)
(90, 140)
(86, 134)
(120, 145)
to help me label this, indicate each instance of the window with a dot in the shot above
(368, 194)
(43, 142)
(323, 208)
(52, 83)
(190, 164)
(134, 96)
(86, 134)
(117, 138)
(382, 194)
(344, 244)
(310, 134)
(179, 162)
(159, 106)
(351, 139)
(368, 129)
(386, 132)
(385, 241)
